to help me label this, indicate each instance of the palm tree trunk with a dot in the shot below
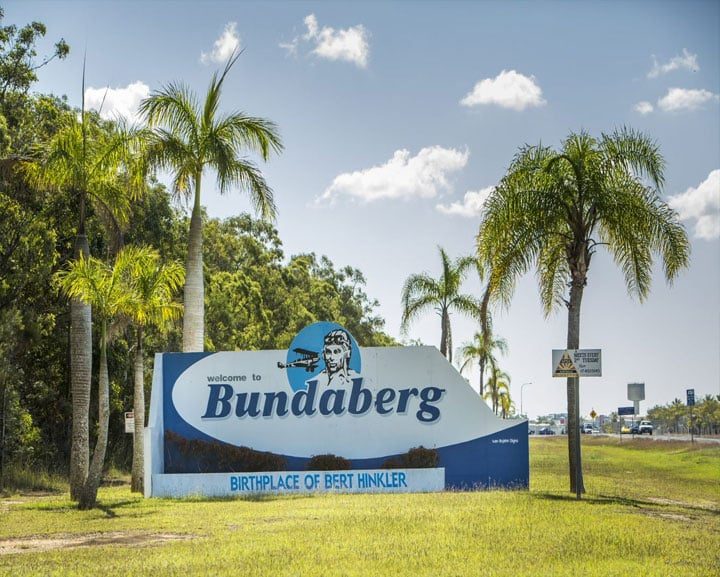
(482, 375)
(89, 492)
(136, 484)
(449, 340)
(443, 333)
(573, 391)
(194, 298)
(80, 375)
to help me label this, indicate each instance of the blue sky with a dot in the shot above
(398, 117)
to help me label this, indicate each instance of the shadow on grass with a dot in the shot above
(628, 502)
(251, 498)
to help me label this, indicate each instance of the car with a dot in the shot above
(588, 429)
(546, 431)
(645, 427)
(625, 429)
(635, 428)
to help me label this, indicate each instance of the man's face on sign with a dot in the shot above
(334, 356)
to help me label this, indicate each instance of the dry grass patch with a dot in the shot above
(74, 541)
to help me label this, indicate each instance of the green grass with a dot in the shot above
(651, 509)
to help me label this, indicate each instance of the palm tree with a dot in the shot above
(482, 349)
(152, 286)
(422, 292)
(188, 138)
(97, 284)
(507, 405)
(498, 385)
(94, 164)
(553, 209)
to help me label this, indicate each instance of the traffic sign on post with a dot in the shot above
(690, 397)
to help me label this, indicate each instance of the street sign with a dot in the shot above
(130, 422)
(576, 363)
(626, 411)
(593, 414)
(690, 397)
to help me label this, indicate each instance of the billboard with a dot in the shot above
(636, 391)
(576, 363)
(326, 395)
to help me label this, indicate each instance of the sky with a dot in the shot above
(398, 118)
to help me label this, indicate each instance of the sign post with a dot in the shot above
(576, 363)
(690, 393)
(130, 422)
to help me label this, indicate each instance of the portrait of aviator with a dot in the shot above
(336, 353)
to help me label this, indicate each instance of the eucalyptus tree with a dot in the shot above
(554, 208)
(189, 137)
(96, 283)
(482, 349)
(97, 165)
(152, 286)
(421, 293)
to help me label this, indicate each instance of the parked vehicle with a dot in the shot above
(588, 429)
(546, 431)
(625, 429)
(635, 428)
(645, 427)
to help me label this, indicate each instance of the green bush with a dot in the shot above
(415, 458)
(328, 462)
(216, 457)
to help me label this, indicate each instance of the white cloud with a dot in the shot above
(644, 107)
(224, 46)
(687, 61)
(508, 89)
(349, 45)
(117, 102)
(472, 204)
(701, 204)
(403, 176)
(685, 99)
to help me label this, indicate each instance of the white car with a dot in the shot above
(645, 427)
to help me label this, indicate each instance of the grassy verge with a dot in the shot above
(651, 509)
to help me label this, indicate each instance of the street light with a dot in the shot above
(521, 397)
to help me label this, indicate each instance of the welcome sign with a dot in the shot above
(327, 395)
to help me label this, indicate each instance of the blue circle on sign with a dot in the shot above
(306, 357)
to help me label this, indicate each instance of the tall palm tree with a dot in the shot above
(498, 385)
(152, 287)
(97, 284)
(95, 164)
(422, 292)
(554, 208)
(189, 137)
(482, 349)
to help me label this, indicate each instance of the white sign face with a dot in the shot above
(130, 422)
(576, 363)
(288, 482)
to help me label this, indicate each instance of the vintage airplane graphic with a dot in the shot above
(308, 360)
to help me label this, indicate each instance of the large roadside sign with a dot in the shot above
(626, 411)
(690, 397)
(576, 363)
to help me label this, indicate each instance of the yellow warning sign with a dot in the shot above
(565, 368)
